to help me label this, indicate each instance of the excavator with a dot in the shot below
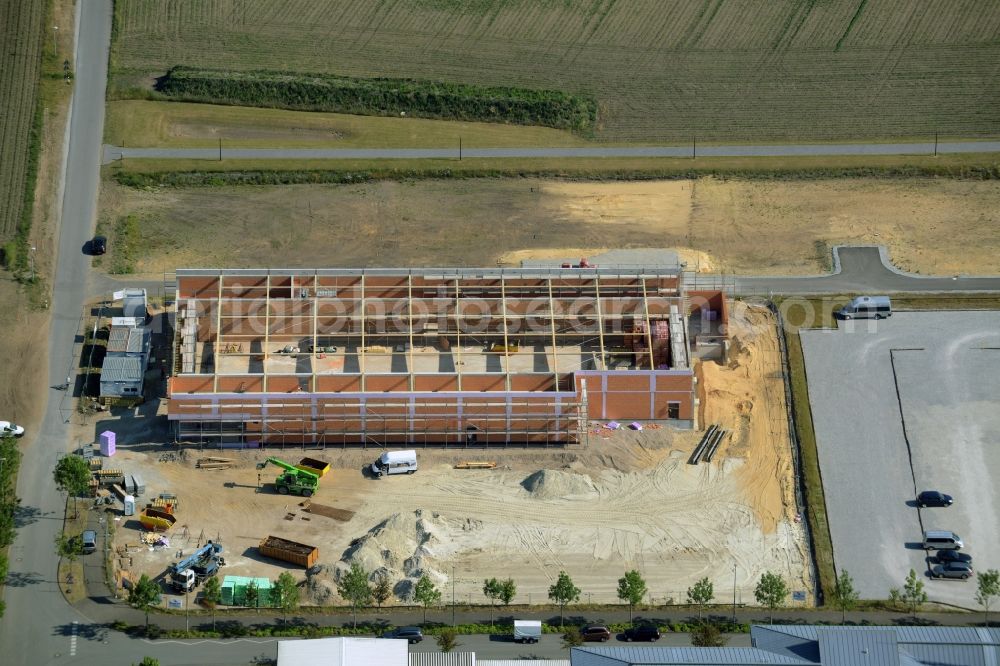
(294, 480)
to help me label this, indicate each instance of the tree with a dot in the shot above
(508, 590)
(252, 595)
(913, 592)
(492, 589)
(563, 591)
(700, 594)
(286, 593)
(69, 547)
(844, 597)
(382, 589)
(988, 589)
(144, 595)
(632, 589)
(426, 594)
(148, 661)
(72, 476)
(895, 597)
(771, 591)
(572, 638)
(447, 640)
(211, 596)
(707, 634)
(354, 587)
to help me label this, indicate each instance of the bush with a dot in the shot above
(381, 97)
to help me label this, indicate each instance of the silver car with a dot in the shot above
(953, 570)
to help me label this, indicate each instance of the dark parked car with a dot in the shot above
(952, 570)
(410, 634)
(944, 556)
(99, 245)
(933, 498)
(642, 632)
(595, 632)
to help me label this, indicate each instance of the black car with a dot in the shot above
(99, 245)
(595, 632)
(410, 634)
(642, 632)
(944, 556)
(933, 498)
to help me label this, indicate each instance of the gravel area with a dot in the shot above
(907, 404)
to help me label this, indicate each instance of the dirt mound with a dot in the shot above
(556, 484)
(401, 546)
(321, 585)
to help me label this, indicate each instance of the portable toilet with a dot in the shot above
(129, 505)
(107, 443)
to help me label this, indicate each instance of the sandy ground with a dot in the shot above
(624, 500)
(932, 226)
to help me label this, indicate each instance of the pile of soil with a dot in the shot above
(555, 484)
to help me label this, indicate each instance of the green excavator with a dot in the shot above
(293, 480)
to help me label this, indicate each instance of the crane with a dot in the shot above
(202, 563)
(294, 479)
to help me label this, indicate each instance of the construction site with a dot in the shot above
(384, 357)
(584, 420)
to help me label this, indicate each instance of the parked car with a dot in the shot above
(10, 429)
(952, 570)
(943, 556)
(595, 632)
(410, 634)
(89, 541)
(934, 498)
(642, 632)
(99, 245)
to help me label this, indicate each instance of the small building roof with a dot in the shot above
(343, 651)
(122, 369)
(127, 340)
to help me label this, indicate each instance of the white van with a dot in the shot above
(942, 540)
(395, 462)
(867, 306)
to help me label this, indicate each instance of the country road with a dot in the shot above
(113, 153)
(38, 625)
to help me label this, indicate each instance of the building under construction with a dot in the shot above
(436, 356)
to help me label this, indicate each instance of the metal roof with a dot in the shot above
(127, 340)
(441, 659)
(521, 662)
(667, 656)
(851, 648)
(788, 645)
(904, 634)
(122, 369)
(342, 651)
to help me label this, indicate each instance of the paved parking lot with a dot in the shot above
(902, 405)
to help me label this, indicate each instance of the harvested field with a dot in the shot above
(625, 499)
(21, 45)
(931, 226)
(735, 71)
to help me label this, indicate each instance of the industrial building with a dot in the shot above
(433, 356)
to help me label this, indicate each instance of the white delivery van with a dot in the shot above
(867, 307)
(395, 462)
(527, 631)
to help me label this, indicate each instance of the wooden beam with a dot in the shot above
(552, 331)
(218, 338)
(267, 329)
(649, 326)
(506, 351)
(600, 321)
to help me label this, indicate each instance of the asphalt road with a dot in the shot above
(112, 153)
(34, 628)
(899, 406)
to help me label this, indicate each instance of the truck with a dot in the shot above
(203, 563)
(293, 480)
(289, 551)
(527, 631)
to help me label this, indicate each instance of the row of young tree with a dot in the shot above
(10, 458)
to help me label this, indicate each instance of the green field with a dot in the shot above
(734, 70)
(20, 46)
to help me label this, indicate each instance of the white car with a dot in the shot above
(10, 429)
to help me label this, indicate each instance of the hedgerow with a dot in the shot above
(381, 97)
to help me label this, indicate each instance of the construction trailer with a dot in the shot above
(463, 357)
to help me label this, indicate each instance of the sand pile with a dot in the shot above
(402, 547)
(555, 484)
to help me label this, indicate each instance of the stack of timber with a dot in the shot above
(471, 464)
(211, 462)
